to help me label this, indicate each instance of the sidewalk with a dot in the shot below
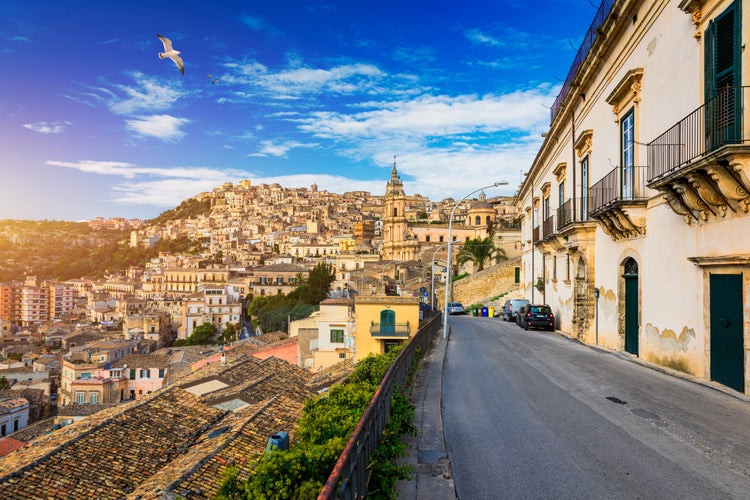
(431, 470)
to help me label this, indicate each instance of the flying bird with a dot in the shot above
(171, 53)
(210, 76)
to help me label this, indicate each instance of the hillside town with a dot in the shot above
(76, 348)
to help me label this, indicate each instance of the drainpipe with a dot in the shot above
(573, 147)
(533, 243)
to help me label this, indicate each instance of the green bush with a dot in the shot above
(327, 423)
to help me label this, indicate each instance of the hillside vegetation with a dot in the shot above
(66, 250)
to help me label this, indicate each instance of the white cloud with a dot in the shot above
(294, 82)
(165, 127)
(280, 149)
(480, 38)
(436, 116)
(47, 127)
(148, 94)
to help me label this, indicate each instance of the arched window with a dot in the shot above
(387, 321)
(489, 220)
(630, 268)
(477, 220)
(395, 212)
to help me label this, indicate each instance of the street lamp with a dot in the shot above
(432, 276)
(448, 283)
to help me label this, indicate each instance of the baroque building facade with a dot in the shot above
(398, 241)
(635, 223)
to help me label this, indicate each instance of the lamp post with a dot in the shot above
(448, 284)
(432, 276)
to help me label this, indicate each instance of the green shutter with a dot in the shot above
(722, 51)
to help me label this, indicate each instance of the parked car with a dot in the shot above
(511, 308)
(537, 316)
(456, 308)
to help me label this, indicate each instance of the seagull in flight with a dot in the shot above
(171, 53)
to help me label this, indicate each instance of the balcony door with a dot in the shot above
(585, 180)
(627, 154)
(387, 322)
(722, 68)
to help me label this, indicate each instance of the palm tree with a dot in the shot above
(479, 251)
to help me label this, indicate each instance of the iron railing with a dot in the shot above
(573, 210)
(349, 476)
(583, 51)
(390, 329)
(627, 184)
(548, 226)
(535, 235)
(719, 122)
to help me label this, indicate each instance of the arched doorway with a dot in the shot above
(630, 274)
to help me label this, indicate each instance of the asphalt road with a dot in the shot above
(531, 414)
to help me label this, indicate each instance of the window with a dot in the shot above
(342, 355)
(561, 194)
(279, 280)
(585, 188)
(94, 398)
(723, 68)
(145, 374)
(427, 238)
(545, 209)
(3, 430)
(477, 220)
(337, 336)
(132, 374)
(627, 150)
(161, 373)
(80, 397)
(387, 321)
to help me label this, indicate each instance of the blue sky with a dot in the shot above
(93, 123)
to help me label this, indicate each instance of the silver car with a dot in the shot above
(455, 308)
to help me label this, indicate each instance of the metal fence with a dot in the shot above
(627, 184)
(573, 210)
(349, 476)
(583, 51)
(717, 123)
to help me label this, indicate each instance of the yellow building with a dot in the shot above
(382, 322)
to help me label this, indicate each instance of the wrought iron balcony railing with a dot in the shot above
(719, 122)
(390, 329)
(588, 41)
(628, 184)
(548, 227)
(535, 235)
(573, 210)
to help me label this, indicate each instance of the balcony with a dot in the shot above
(595, 31)
(390, 330)
(615, 200)
(548, 227)
(702, 164)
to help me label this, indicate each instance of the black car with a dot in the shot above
(536, 316)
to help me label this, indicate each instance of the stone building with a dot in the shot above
(398, 241)
(635, 210)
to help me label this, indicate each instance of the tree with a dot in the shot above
(202, 335)
(4, 384)
(479, 251)
(315, 287)
(228, 334)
